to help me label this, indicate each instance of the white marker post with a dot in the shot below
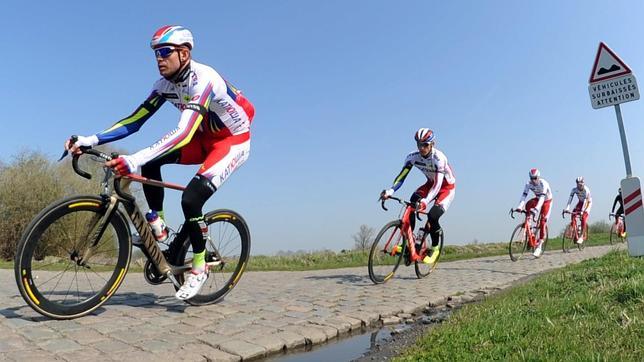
(612, 82)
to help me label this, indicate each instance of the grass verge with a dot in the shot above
(588, 311)
(318, 260)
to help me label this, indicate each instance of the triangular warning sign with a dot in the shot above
(607, 65)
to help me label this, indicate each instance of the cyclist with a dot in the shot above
(620, 210)
(539, 205)
(213, 131)
(439, 188)
(583, 206)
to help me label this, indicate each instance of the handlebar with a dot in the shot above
(87, 175)
(402, 202)
(512, 211)
(573, 213)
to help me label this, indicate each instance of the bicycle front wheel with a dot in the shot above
(386, 252)
(422, 269)
(65, 266)
(567, 239)
(518, 243)
(613, 234)
(227, 254)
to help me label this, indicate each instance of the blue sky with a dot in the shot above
(339, 89)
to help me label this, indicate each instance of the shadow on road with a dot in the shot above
(138, 300)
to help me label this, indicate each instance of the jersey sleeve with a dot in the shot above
(189, 122)
(572, 194)
(524, 195)
(439, 175)
(133, 122)
(398, 181)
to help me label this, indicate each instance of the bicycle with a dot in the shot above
(75, 253)
(524, 236)
(617, 229)
(573, 232)
(395, 241)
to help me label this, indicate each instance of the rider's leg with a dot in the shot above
(194, 197)
(420, 193)
(545, 215)
(224, 157)
(153, 194)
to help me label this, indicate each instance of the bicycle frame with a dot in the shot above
(122, 195)
(527, 226)
(407, 230)
(574, 216)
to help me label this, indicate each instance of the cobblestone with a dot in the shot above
(265, 314)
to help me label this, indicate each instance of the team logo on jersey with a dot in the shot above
(169, 96)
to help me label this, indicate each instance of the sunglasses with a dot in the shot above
(420, 144)
(534, 178)
(164, 52)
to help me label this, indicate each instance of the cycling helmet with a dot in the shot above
(172, 35)
(424, 135)
(534, 173)
(579, 180)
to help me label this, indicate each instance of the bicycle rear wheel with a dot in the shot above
(567, 239)
(227, 254)
(383, 259)
(518, 243)
(422, 269)
(60, 271)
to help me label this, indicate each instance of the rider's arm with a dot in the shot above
(572, 193)
(617, 199)
(526, 189)
(398, 181)
(133, 122)
(189, 122)
(436, 186)
(589, 200)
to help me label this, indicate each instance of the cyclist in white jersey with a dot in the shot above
(539, 205)
(213, 131)
(585, 202)
(439, 188)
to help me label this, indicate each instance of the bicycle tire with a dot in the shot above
(544, 247)
(584, 236)
(233, 245)
(57, 239)
(381, 259)
(613, 234)
(518, 243)
(567, 239)
(422, 269)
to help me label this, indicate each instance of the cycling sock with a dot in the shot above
(199, 262)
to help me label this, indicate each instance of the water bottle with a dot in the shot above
(158, 226)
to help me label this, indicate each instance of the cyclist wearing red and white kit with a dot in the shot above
(584, 204)
(439, 188)
(539, 205)
(213, 131)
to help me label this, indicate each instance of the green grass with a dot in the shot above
(591, 311)
(332, 260)
(353, 258)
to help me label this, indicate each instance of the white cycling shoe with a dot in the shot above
(538, 250)
(192, 285)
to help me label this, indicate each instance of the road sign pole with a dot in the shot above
(622, 135)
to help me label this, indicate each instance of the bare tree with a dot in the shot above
(363, 238)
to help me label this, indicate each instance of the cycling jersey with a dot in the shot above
(435, 167)
(584, 197)
(541, 190)
(208, 104)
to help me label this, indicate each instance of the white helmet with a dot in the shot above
(579, 180)
(534, 173)
(173, 35)
(424, 135)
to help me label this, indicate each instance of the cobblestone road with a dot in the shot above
(266, 313)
